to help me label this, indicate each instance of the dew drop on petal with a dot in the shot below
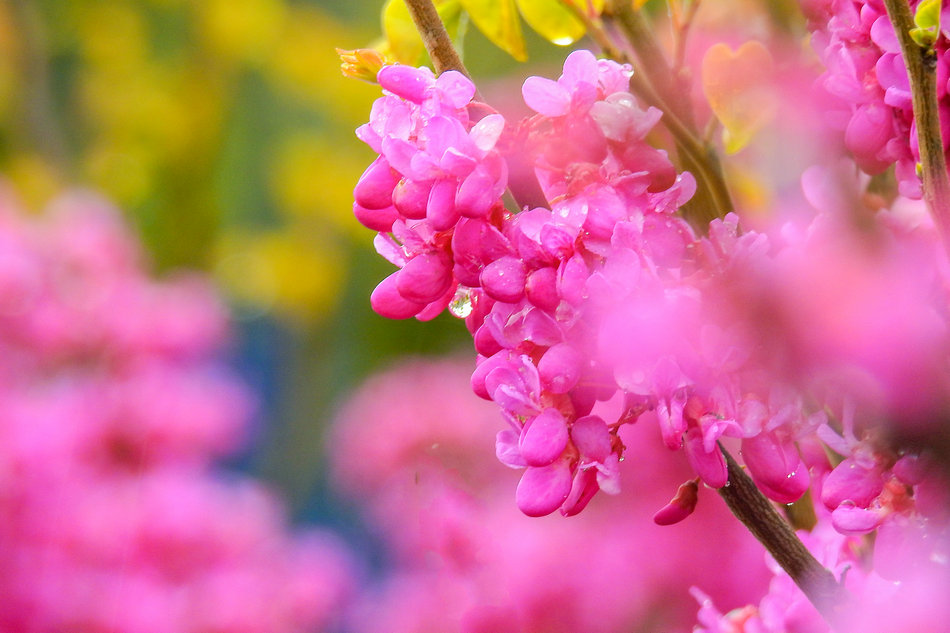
(461, 304)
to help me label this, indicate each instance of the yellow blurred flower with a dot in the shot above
(241, 30)
(295, 274)
(313, 179)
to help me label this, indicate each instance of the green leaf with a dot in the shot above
(552, 20)
(498, 20)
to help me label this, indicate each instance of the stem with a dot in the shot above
(652, 58)
(669, 91)
(922, 71)
(758, 514)
(435, 37)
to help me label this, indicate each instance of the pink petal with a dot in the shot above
(405, 81)
(487, 132)
(425, 277)
(870, 128)
(387, 301)
(541, 328)
(376, 219)
(546, 96)
(541, 289)
(411, 197)
(572, 275)
(476, 196)
(544, 437)
(440, 209)
(776, 467)
(583, 488)
(710, 466)
(579, 67)
(543, 489)
(455, 88)
(436, 307)
(849, 519)
(851, 482)
(484, 367)
(374, 190)
(560, 368)
(485, 342)
(507, 450)
(591, 437)
(680, 506)
(504, 279)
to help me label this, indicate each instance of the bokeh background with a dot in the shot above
(225, 131)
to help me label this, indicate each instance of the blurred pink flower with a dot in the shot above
(112, 410)
(465, 559)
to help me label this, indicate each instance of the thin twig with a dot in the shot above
(921, 66)
(435, 37)
(758, 514)
(682, 35)
(595, 29)
(660, 86)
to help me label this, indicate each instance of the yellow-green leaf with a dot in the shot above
(927, 15)
(927, 19)
(499, 21)
(738, 88)
(404, 41)
(552, 20)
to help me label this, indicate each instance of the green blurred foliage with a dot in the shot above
(223, 127)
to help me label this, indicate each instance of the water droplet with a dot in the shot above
(461, 304)
(567, 40)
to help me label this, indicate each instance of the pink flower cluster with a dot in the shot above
(865, 73)
(112, 410)
(814, 347)
(522, 280)
(898, 584)
(437, 169)
(462, 558)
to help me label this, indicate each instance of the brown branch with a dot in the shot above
(758, 514)
(921, 66)
(435, 37)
